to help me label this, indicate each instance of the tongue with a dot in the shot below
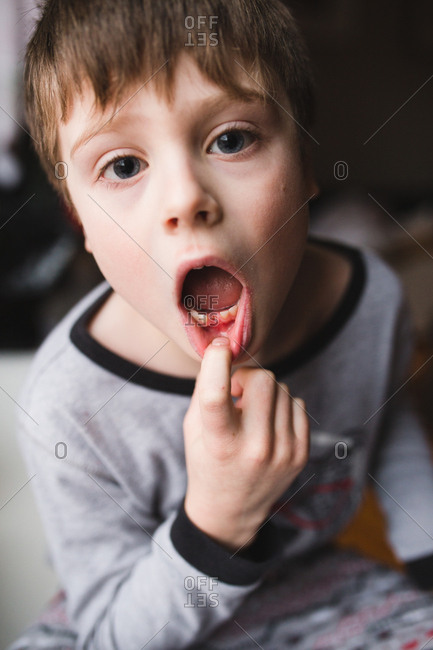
(210, 289)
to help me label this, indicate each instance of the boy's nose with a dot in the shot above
(187, 200)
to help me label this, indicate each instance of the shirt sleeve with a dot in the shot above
(129, 577)
(402, 469)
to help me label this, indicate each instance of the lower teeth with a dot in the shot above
(208, 319)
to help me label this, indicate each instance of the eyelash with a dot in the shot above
(114, 184)
(239, 129)
(113, 161)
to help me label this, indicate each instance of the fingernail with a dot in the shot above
(221, 341)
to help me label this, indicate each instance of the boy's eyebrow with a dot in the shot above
(212, 105)
(88, 135)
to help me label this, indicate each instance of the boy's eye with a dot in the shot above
(231, 142)
(123, 168)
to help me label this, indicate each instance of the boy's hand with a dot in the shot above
(239, 458)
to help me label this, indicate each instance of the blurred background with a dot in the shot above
(373, 153)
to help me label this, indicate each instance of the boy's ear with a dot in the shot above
(72, 215)
(313, 186)
(87, 245)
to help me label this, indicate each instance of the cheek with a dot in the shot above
(278, 233)
(124, 258)
(131, 273)
(274, 204)
(117, 263)
(128, 269)
(118, 256)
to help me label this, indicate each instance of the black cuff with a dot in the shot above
(235, 568)
(421, 571)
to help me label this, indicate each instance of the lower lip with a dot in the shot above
(239, 333)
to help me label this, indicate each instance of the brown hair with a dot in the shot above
(113, 45)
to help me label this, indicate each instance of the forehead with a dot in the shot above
(192, 93)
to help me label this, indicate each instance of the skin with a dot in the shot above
(191, 198)
(240, 458)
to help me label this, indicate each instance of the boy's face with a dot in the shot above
(164, 188)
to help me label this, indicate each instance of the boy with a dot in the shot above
(174, 471)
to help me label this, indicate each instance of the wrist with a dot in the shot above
(230, 532)
(212, 559)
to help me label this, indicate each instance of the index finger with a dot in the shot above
(214, 387)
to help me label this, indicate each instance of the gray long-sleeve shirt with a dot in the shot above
(104, 439)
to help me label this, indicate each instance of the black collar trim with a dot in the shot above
(130, 371)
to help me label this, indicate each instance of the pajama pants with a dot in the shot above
(331, 599)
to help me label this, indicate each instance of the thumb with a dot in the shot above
(214, 388)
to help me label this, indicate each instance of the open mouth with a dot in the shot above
(215, 303)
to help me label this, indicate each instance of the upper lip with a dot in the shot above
(207, 260)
